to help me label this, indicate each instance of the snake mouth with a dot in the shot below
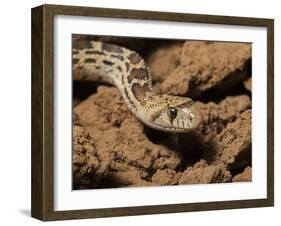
(189, 119)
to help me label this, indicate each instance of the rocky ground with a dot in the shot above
(111, 148)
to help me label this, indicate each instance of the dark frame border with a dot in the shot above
(42, 197)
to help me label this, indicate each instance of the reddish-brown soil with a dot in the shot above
(111, 148)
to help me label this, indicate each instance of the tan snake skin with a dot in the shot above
(125, 69)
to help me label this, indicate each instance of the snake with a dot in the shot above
(126, 70)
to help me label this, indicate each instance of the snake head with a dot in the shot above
(179, 115)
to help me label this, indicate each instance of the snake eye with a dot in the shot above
(172, 112)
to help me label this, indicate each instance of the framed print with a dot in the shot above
(141, 112)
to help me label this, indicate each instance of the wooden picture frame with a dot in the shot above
(43, 108)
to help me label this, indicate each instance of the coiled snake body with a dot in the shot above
(125, 69)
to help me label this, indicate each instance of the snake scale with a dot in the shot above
(126, 70)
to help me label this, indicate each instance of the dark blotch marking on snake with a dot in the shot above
(119, 57)
(139, 73)
(90, 60)
(129, 79)
(119, 69)
(93, 52)
(75, 51)
(75, 61)
(139, 91)
(135, 58)
(127, 66)
(112, 48)
(109, 63)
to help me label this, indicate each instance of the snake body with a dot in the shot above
(126, 70)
